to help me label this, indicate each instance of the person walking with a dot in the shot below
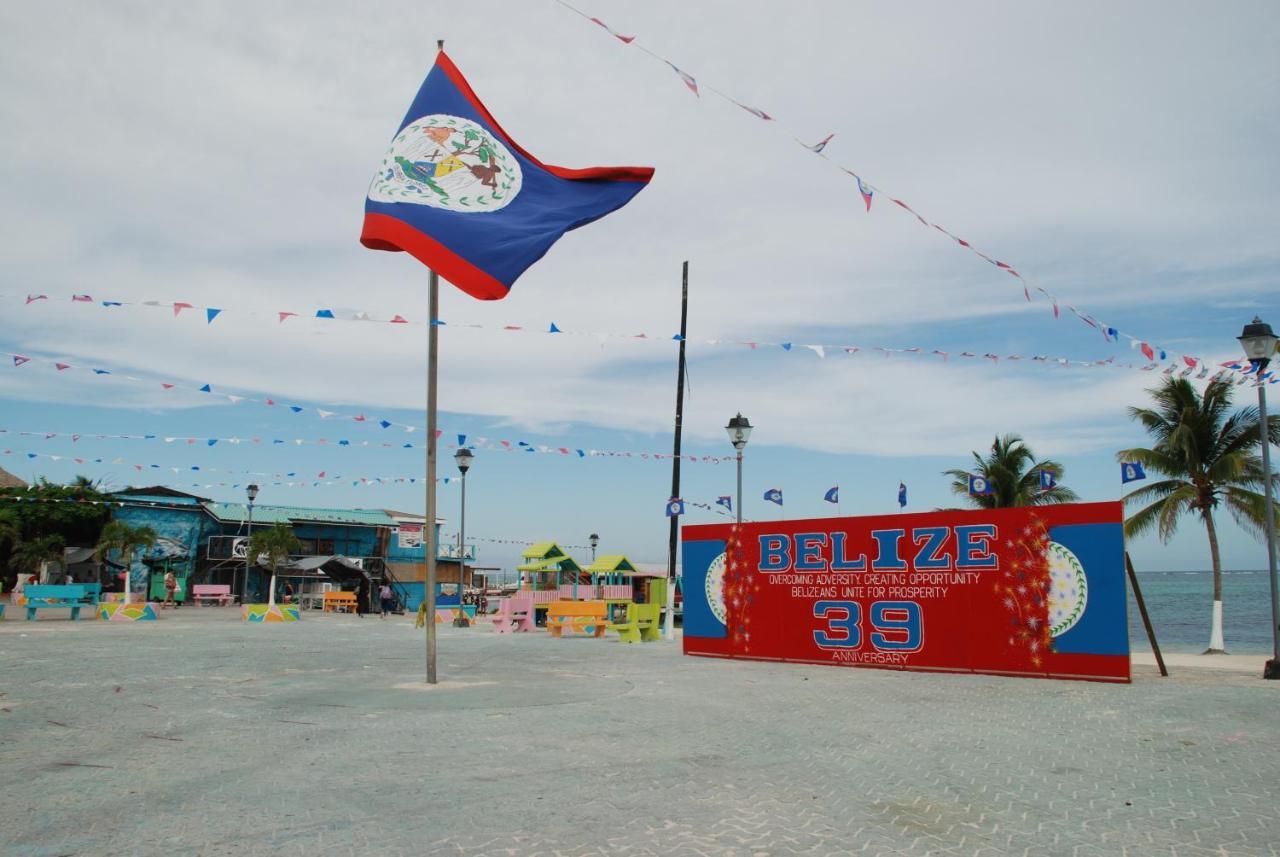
(387, 598)
(170, 588)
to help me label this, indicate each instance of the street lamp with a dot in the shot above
(739, 430)
(463, 459)
(595, 540)
(1259, 345)
(252, 492)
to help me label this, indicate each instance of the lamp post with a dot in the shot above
(739, 430)
(594, 540)
(463, 459)
(252, 492)
(1259, 345)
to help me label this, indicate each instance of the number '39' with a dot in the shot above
(896, 626)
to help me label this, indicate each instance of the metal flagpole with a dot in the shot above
(429, 525)
(669, 622)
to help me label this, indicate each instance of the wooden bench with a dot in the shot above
(344, 602)
(641, 625)
(585, 617)
(219, 592)
(71, 596)
(514, 614)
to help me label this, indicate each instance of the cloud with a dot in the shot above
(222, 159)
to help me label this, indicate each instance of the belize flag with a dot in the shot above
(979, 485)
(1131, 471)
(774, 495)
(459, 195)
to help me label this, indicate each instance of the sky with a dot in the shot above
(1121, 156)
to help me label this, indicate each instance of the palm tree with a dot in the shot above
(119, 536)
(1013, 474)
(1209, 456)
(275, 544)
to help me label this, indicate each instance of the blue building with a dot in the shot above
(203, 541)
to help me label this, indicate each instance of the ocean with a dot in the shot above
(1181, 607)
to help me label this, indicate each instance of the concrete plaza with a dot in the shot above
(201, 735)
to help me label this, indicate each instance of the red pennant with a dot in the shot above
(284, 315)
(399, 320)
(166, 386)
(179, 307)
(62, 366)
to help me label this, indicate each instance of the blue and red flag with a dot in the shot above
(462, 197)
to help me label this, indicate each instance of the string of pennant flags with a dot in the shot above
(868, 191)
(322, 478)
(463, 441)
(501, 445)
(1186, 366)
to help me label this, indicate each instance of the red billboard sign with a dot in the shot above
(1034, 591)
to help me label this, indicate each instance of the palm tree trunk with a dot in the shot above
(1216, 644)
(271, 596)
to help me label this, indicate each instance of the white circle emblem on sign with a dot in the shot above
(448, 162)
(714, 588)
(1068, 589)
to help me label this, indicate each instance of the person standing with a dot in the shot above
(387, 598)
(170, 589)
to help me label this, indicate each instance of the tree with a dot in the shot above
(275, 545)
(1209, 456)
(30, 555)
(119, 536)
(1012, 472)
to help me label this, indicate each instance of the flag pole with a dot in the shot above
(669, 621)
(429, 525)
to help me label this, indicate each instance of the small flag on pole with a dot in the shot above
(774, 495)
(675, 507)
(902, 495)
(1047, 480)
(832, 495)
(979, 485)
(1131, 471)
(726, 501)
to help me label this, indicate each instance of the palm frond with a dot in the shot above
(1249, 508)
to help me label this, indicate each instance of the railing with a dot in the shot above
(447, 550)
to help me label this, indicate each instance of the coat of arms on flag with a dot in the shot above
(1131, 471)
(1047, 480)
(456, 192)
(979, 485)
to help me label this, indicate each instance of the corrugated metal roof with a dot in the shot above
(264, 514)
